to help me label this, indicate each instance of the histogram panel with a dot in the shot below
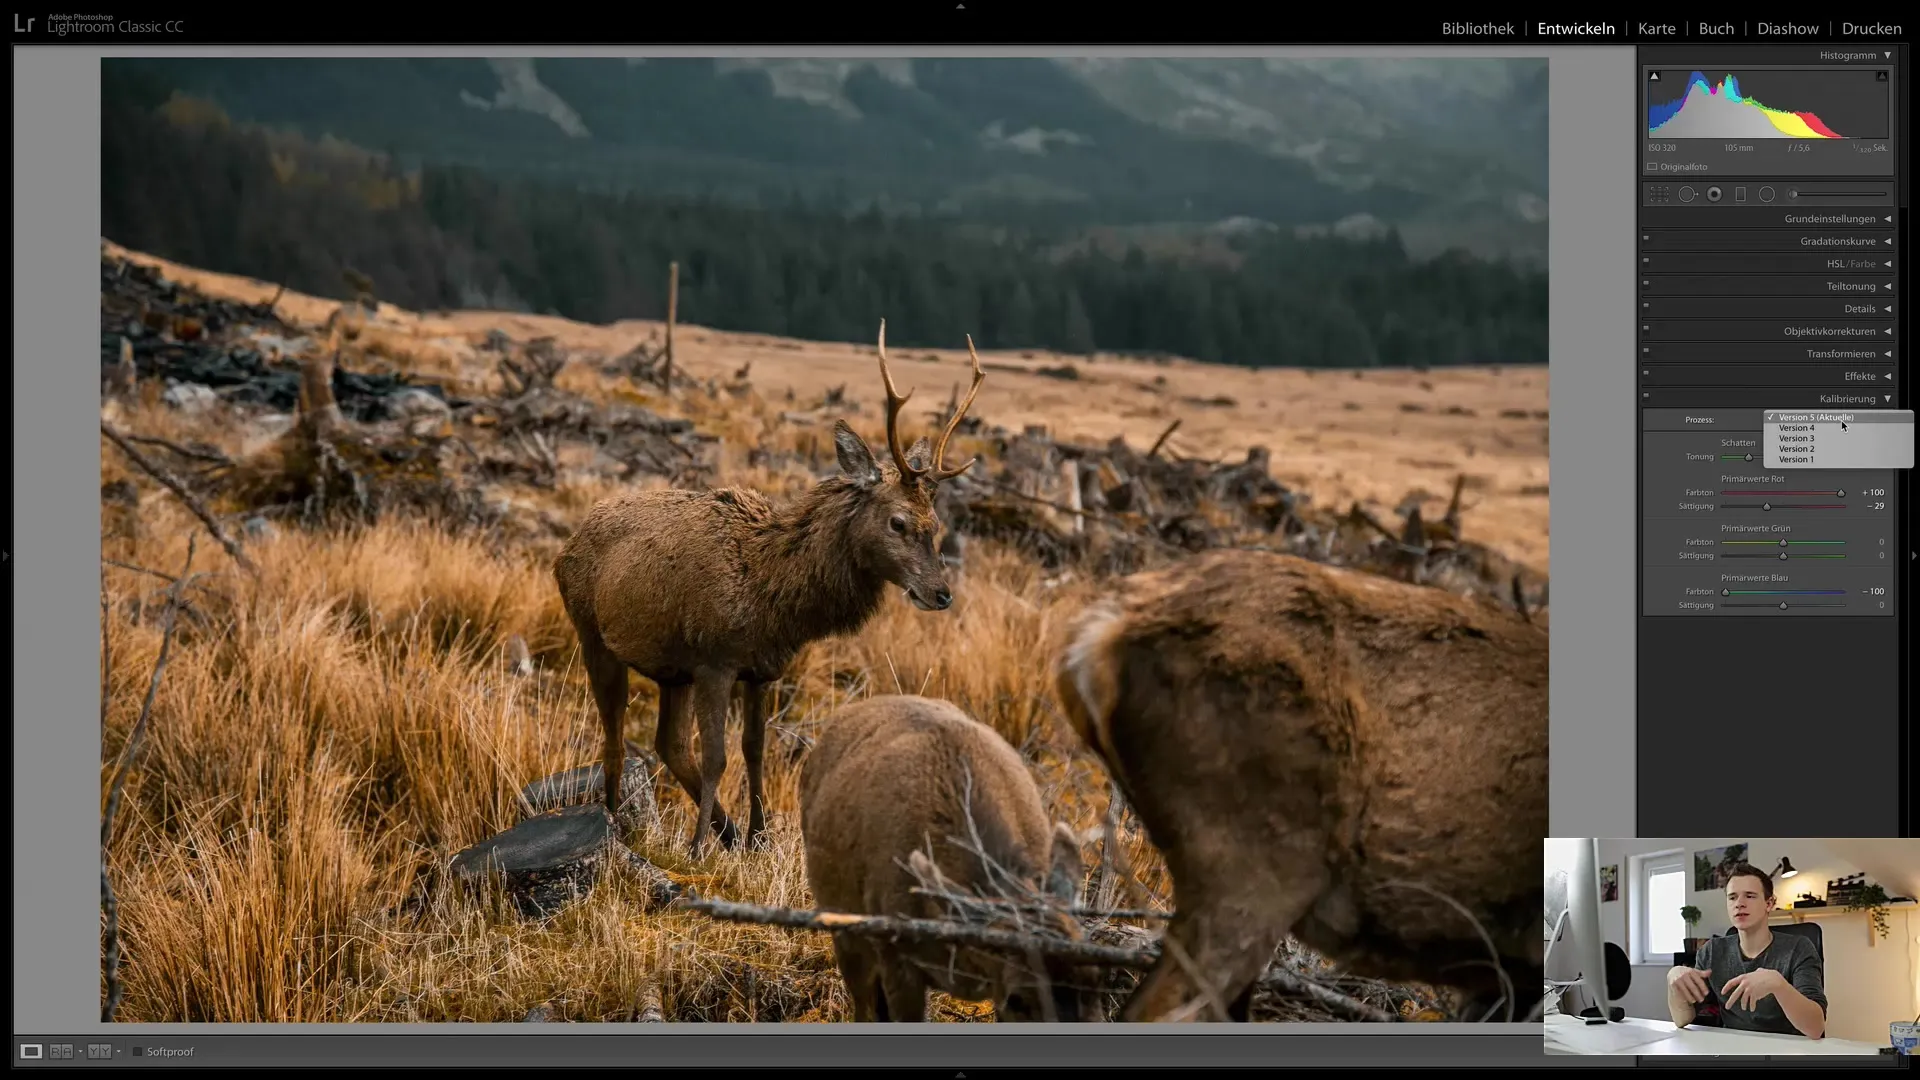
(1816, 103)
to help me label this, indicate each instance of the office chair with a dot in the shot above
(1619, 977)
(1810, 931)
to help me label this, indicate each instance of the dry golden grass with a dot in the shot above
(324, 735)
(327, 733)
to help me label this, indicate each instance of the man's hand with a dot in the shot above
(1691, 983)
(1750, 989)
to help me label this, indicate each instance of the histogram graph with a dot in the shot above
(1766, 103)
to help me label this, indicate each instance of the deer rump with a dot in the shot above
(895, 779)
(1327, 754)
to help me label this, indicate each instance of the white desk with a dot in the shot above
(1636, 1037)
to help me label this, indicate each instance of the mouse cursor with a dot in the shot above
(1843, 425)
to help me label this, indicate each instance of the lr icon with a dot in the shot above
(27, 29)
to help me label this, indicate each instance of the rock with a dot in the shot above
(190, 398)
(421, 412)
(953, 549)
(519, 660)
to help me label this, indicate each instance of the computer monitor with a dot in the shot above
(1583, 932)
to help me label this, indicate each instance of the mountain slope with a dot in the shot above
(1039, 142)
(1469, 136)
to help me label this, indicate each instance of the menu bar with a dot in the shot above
(950, 21)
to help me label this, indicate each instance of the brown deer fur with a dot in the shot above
(1319, 752)
(699, 589)
(903, 791)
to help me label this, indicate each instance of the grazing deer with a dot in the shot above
(1324, 753)
(896, 777)
(699, 589)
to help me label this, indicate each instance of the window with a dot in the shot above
(1660, 932)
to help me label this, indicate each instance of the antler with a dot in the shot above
(895, 401)
(941, 472)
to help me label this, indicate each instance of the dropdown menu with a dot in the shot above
(1838, 438)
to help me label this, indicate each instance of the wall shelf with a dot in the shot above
(1794, 915)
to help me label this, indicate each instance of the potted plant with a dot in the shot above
(1871, 898)
(1692, 915)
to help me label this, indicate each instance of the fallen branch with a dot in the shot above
(1287, 982)
(898, 929)
(174, 485)
(169, 578)
(1161, 441)
(183, 451)
(109, 904)
(1037, 906)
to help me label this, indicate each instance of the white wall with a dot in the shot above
(1868, 987)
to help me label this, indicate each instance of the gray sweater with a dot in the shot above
(1789, 954)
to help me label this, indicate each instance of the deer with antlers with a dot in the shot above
(697, 590)
(1316, 751)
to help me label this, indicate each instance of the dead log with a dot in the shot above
(541, 363)
(123, 374)
(646, 1003)
(586, 783)
(550, 862)
(546, 863)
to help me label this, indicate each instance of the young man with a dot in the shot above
(1752, 979)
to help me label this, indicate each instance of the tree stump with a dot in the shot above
(547, 862)
(589, 782)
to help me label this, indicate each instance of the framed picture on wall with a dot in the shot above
(1712, 867)
(1610, 882)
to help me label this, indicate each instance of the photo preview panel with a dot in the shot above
(897, 451)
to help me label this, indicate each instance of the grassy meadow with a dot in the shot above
(328, 732)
